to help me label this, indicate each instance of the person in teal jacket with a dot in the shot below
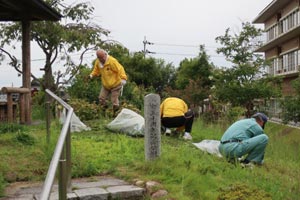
(246, 137)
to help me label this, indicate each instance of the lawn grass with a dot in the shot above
(184, 171)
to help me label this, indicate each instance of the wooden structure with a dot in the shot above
(4, 112)
(26, 11)
(11, 105)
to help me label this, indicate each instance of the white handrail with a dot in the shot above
(58, 149)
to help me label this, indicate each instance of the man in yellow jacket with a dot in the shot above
(113, 78)
(174, 113)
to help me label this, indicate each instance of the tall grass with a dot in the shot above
(182, 169)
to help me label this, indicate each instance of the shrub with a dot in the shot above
(242, 191)
(11, 128)
(85, 110)
(234, 113)
(25, 138)
(291, 109)
(83, 87)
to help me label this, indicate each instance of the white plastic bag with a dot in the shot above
(76, 124)
(210, 146)
(128, 122)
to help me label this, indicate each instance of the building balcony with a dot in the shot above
(284, 72)
(263, 45)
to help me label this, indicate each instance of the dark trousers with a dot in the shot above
(174, 122)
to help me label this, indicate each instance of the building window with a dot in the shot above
(286, 63)
(276, 66)
(289, 22)
(272, 32)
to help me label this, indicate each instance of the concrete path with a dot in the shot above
(99, 187)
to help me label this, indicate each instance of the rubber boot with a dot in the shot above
(115, 110)
(103, 109)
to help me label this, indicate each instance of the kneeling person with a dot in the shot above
(174, 113)
(246, 137)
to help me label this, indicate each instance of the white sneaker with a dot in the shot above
(168, 131)
(187, 136)
(248, 165)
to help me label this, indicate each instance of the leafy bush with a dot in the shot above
(242, 191)
(134, 94)
(11, 128)
(85, 110)
(25, 138)
(82, 87)
(209, 117)
(234, 113)
(291, 109)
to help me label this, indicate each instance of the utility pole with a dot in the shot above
(145, 51)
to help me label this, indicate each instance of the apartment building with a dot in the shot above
(281, 43)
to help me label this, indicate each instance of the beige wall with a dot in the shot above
(270, 22)
(291, 44)
(271, 53)
(293, 4)
(287, 89)
(286, 47)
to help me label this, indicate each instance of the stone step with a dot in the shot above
(99, 187)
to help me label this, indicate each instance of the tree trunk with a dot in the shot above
(249, 107)
(49, 79)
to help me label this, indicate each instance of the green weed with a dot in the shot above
(11, 128)
(183, 170)
(25, 138)
(2, 185)
(242, 192)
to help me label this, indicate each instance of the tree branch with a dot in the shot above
(14, 61)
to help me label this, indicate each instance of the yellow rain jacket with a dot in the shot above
(173, 107)
(111, 73)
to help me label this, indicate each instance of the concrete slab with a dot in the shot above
(97, 187)
(92, 193)
(19, 197)
(99, 182)
(126, 192)
(72, 196)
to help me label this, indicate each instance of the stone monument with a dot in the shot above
(152, 126)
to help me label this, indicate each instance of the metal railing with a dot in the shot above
(61, 156)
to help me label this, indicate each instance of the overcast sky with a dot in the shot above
(176, 28)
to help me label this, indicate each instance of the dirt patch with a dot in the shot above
(285, 131)
(15, 188)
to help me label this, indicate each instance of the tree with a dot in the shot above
(76, 32)
(246, 80)
(291, 104)
(82, 88)
(149, 72)
(193, 78)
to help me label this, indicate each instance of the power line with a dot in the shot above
(182, 54)
(75, 54)
(145, 51)
(175, 54)
(176, 45)
(182, 45)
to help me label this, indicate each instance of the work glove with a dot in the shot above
(189, 114)
(123, 82)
